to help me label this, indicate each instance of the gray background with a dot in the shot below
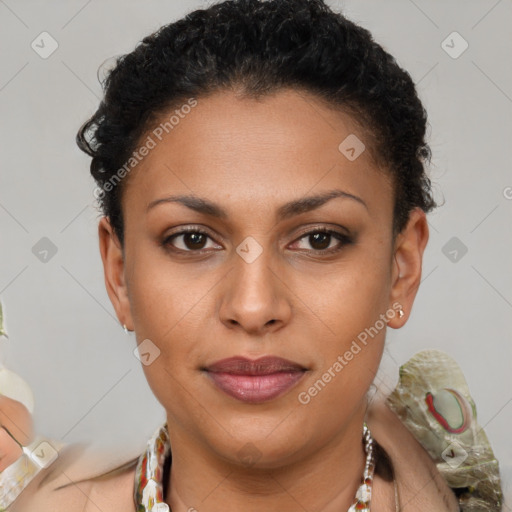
(65, 340)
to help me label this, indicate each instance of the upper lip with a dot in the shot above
(266, 365)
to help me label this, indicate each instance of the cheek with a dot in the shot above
(351, 296)
(167, 309)
(160, 294)
(351, 304)
(350, 361)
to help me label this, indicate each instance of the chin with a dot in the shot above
(253, 449)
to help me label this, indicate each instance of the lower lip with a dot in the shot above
(255, 388)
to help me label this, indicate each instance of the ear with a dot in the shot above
(406, 272)
(114, 272)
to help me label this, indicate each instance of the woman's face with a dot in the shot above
(262, 279)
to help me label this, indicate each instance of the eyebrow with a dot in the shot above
(285, 211)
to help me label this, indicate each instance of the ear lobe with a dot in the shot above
(408, 258)
(113, 269)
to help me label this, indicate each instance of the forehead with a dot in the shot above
(240, 149)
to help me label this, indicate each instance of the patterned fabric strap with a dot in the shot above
(15, 478)
(148, 493)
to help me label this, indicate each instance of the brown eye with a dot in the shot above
(325, 240)
(194, 240)
(320, 241)
(189, 240)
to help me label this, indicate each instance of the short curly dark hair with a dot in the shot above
(256, 48)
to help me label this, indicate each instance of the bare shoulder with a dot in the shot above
(59, 488)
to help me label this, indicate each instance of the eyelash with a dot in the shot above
(341, 237)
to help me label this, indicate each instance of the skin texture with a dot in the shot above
(16, 418)
(250, 157)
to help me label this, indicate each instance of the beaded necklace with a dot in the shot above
(149, 494)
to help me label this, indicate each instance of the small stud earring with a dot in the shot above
(401, 313)
(125, 329)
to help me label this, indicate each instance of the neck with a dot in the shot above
(321, 478)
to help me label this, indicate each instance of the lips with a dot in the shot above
(263, 366)
(255, 381)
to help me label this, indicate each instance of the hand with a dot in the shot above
(10, 450)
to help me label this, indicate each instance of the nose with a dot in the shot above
(255, 297)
